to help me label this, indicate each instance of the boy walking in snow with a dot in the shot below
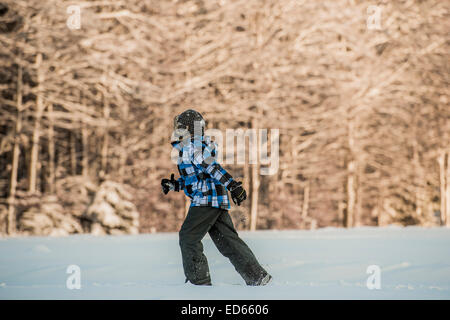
(206, 183)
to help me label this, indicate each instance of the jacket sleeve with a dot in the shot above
(188, 178)
(181, 183)
(204, 158)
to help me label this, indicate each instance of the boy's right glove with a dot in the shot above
(238, 193)
(171, 184)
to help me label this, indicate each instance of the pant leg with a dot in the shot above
(197, 223)
(228, 242)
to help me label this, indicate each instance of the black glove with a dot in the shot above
(238, 193)
(171, 184)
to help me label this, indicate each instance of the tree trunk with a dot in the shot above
(419, 189)
(341, 213)
(73, 153)
(255, 187)
(11, 223)
(37, 128)
(85, 142)
(122, 159)
(305, 204)
(447, 192)
(123, 153)
(443, 188)
(106, 112)
(246, 175)
(51, 150)
(358, 194)
(351, 194)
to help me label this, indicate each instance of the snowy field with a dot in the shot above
(323, 264)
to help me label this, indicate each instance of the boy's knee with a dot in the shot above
(186, 239)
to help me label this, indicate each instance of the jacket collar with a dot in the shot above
(206, 139)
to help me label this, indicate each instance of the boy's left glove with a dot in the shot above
(171, 184)
(238, 193)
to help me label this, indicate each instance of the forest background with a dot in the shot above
(359, 91)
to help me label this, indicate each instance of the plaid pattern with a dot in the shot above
(202, 178)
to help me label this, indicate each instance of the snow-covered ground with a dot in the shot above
(323, 264)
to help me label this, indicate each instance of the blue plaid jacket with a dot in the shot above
(202, 178)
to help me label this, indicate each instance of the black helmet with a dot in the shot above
(188, 120)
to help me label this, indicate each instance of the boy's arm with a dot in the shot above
(207, 163)
(181, 183)
(187, 178)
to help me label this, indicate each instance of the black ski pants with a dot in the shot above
(218, 223)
